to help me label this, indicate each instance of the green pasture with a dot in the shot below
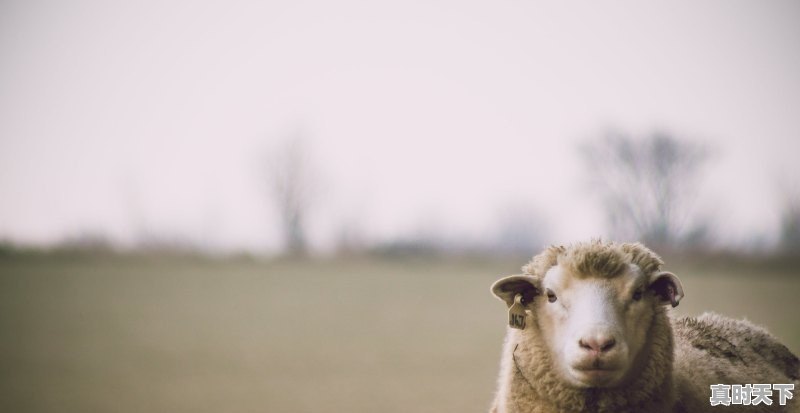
(144, 334)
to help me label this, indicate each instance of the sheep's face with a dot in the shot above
(593, 326)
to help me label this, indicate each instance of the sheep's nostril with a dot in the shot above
(584, 345)
(597, 344)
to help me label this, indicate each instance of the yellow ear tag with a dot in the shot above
(516, 314)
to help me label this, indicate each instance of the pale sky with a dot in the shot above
(419, 115)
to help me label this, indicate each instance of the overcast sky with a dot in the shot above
(419, 115)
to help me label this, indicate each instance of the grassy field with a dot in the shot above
(139, 334)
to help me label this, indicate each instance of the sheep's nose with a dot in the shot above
(597, 343)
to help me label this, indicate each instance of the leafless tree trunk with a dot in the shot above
(789, 242)
(290, 180)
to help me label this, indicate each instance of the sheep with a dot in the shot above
(590, 331)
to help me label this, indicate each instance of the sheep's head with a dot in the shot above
(592, 305)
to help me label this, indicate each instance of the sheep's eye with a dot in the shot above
(637, 295)
(551, 296)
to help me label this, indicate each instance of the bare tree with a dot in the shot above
(289, 178)
(789, 242)
(646, 185)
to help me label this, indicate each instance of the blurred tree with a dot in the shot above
(645, 185)
(289, 179)
(790, 224)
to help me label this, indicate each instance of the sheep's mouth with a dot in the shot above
(596, 376)
(595, 365)
(596, 371)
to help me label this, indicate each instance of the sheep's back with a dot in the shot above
(711, 349)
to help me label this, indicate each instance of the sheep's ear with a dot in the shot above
(667, 287)
(507, 288)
